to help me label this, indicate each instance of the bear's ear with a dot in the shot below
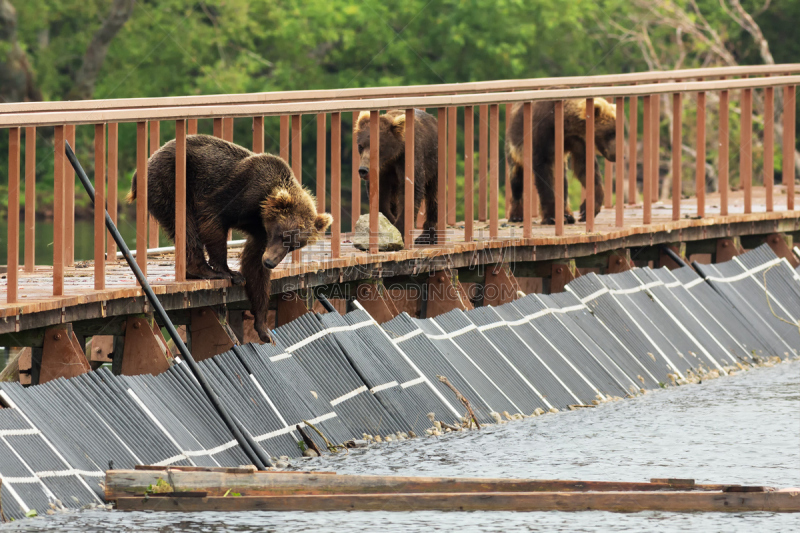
(323, 222)
(603, 108)
(399, 125)
(280, 200)
(361, 121)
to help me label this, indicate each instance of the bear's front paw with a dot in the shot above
(548, 221)
(569, 219)
(517, 213)
(237, 278)
(265, 336)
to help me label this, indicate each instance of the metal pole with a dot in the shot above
(162, 314)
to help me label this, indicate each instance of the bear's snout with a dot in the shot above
(269, 263)
(363, 172)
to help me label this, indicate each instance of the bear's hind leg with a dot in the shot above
(215, 239)
(196, 265)
(517, 188)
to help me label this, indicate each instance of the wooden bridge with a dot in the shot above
(75, 315)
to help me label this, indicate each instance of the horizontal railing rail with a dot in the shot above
(405, 91)
(483, 98)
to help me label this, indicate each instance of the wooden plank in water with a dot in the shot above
(482, 501)
(122, 483)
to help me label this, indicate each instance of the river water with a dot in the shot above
(741, 429)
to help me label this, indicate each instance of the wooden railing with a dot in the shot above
(487, 96)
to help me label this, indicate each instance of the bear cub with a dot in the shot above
(605, 140)
(392, 151)
(228, 186)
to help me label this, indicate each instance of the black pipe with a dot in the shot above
(326, 303)
(162, 314)
(672, 255)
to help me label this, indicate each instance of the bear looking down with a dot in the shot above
(392, 166)
(228, 186)
(605, 138)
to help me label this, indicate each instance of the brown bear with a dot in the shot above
(393, 167)
(605, 139)
(228, 186)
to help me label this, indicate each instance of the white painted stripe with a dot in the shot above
(159, 425)
(351, 394)
(385, 386)
(273, 434)
(18, 432)
(407, 336)
(594, 295)
(694, 282)
(673, 284)
(412, 382)
(171, 460)
(746, 273)
(320, 334)
(322, 418)
(272, 405)
(456, 333)
(7, 481)
(71, 472)
(46, 490)
(275, 358)
(31, 479)
(213, 451)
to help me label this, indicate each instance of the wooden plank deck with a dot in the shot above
(35, 289)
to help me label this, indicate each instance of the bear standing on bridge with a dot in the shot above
(605, 137)
(228, 186)
(393, 167)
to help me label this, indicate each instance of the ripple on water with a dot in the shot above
(742, 429)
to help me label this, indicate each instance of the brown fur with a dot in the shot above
(391, 182)
(228, 186)
(544, 153)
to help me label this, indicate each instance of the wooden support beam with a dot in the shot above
(619, 261)
(665, 261)
(62, 355)
(727, 248)
(372, 295)
(782, 246)
(500, 286)
(290, 306)
(211, 334)
(444, 293)
(145, 350)
(562, 273)
(243, 325)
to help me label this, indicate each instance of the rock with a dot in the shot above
(310, 453)
(356, 443)
(389, 238)
(282, 464)
(553, 410)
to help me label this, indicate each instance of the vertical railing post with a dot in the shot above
(58, 210)
(69, 201)
(452, 123)
(141, 196)
(374, 175)
(620, 166)
(355, 179)
(527, 170)
(227, 129)
(336, 184)
(789, 102)
(506, 166)
(655, 108)
(99, 206)
(218, 127)
(647, 166)
(192, 129)
(700, 160)
(258, 135)
(297, 164)
(155, 144)
(441, 187)
(590, 162)
(408, 202)
(769, 147)
(321, 160)
(112, 165)
(633, 141)
(746, 149)
(723, 153)
(494, 169)
(30, 199)
(558, 167)
(284, 139)
(469, 172)
(609, 184)
(13, 215)
(180, 200)
(677, 110)
(483, 153)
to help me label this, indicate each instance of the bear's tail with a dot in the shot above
(131, 196)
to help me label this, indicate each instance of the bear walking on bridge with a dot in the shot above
(605, 139)
(392, 167)
(228, 186)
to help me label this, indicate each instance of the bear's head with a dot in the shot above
(605, 126)
(392, 135)
(291, 222)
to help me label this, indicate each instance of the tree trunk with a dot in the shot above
(16, 77)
